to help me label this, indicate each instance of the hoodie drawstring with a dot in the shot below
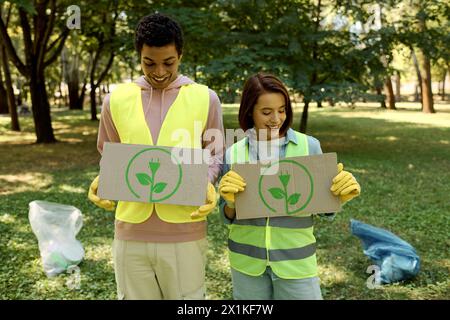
(149, 102)
(162, 103)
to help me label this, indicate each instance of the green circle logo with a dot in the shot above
(148, 178)
(280, 192)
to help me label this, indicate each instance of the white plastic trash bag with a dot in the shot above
(55, 226)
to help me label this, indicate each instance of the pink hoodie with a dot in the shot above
(156, 103)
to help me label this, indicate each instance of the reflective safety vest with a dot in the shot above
(190, 106)
(286, 244)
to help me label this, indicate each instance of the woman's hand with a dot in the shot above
(345, 185)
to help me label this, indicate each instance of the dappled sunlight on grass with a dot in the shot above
(389, 138)
(354, 170)
(44, 286)
(7, 218)
(25, 229)
(21, 182)
(330, 273)
(18, 245)
(69, 188)
(71, 140)
(17, 138)
(396, 116)
(218, 258)
(99, 253)
(78, 130)
(61, 127)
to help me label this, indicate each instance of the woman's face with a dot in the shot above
(160, 64)
(269, 115)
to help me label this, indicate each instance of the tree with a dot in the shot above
(427, 93)
(3, 96)
(425, 29)
(7, 89)
(102, 46)
(43, 45)
(75, 71)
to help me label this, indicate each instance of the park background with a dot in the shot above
(369, 79)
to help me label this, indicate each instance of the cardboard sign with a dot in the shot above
(288, 187)
(143, 173)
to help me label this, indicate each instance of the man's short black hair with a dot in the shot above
(158, 30)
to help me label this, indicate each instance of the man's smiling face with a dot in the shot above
(160, 64)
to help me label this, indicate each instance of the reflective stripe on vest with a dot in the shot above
(282, 222)
(274, 254)
(286, 244)
(187, 114)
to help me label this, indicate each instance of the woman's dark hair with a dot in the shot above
(254, 87)
(158, 30)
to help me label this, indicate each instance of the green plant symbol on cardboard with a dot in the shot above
(149, 178)
(278, 193)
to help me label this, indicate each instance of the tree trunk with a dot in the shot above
(315, 56)
(93, 102)
(82, 95)
(75, 102)
(95, 85)
(382, 102)
(389, 93)
(443, 86)
(41, 109)
(11, 101)
(195, 72)
(427, 93)
(417, 94)
(419, 75)
(99, 97)
(70, 64)
(304, 119)
(3, 99)
(398, 95)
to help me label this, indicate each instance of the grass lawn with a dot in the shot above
(401, 159)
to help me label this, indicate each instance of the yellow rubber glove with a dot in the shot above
(211, 201)
(345, 185)
(230, 184)
(92, 195)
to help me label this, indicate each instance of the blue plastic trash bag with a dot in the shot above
(396, 258)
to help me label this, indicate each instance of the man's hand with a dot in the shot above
(345, 185)
(230, 184)
(211, 201)
(92, 195)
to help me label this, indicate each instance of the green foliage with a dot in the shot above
(26, 5)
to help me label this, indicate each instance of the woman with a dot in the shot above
(272, 258)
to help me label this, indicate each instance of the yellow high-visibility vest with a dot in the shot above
(286, 244)
(190, 106)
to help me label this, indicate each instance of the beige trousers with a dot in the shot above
(155, 271)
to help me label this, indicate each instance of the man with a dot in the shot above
(159, 251)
